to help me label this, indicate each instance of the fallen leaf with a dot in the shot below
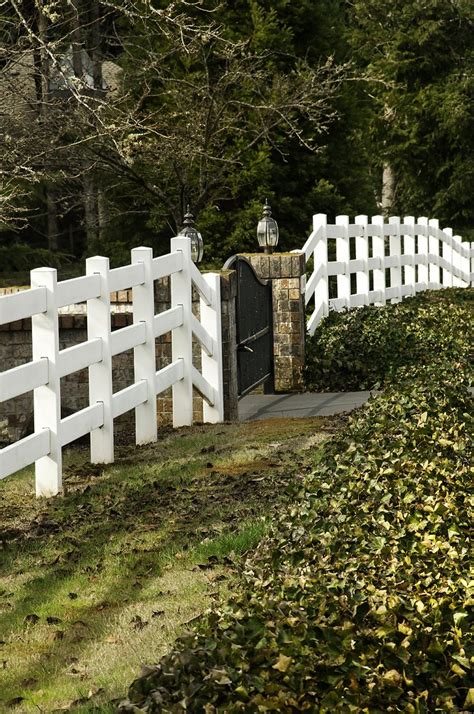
(28, 683)
(53, 620)
(94, 692)
(208, 449)
(15, 701)
(113, 640)
(32, 619)
(138, 623)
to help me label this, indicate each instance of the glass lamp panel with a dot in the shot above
(272, 233)
(262, 230)
(197, 246)
(200, 248)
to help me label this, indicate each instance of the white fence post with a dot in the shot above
(343, 255)
(467, 263)
(447, 253)
(182, 337)
(423, 267)
(433, 249)
(378, 250)
(409, 251)
(47, 398)
(472, 263)
(395, 251)
(100, 373)
(212, 366)
(320, 260)
(144, 356)
(362, 253)
(457, 263)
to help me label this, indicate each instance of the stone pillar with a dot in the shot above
(285, 270)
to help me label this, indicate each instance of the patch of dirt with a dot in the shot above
(239, 469)
(96, 506)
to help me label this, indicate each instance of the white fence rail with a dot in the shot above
(379, 261)
(43, 374)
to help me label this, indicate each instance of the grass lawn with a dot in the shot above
(97, 582)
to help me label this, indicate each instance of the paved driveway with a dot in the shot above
(266, 406)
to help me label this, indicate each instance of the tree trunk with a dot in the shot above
(43, 95)
(77, 43)
(44, 63)
(91, 212)
(388, 189)
(52, 219)
(102, 213)
(95, 47)
(71, 237)
(89, 189)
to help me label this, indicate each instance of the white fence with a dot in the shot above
(370, 269)
(43, 374)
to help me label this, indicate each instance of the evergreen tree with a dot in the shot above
(420, 61)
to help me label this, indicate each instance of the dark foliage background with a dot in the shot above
(395, 89)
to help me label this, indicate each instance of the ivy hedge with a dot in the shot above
(364, 348)
(359, 599)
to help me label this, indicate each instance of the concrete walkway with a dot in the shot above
(267, 406)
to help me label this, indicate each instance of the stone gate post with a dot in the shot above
(285, 270)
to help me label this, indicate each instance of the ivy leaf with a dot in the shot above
(469, 701)
(282, 663)
(392, 677)
(459, 617)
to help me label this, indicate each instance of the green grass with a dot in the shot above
(96, 582)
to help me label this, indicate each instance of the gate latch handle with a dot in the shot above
(246, 348)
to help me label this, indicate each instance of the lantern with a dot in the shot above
(267, 230)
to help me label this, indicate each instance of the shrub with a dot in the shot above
(22, 257)
(359, 599)
(364, 348)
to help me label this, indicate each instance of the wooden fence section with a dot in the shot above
(49, 364)
(364, 263)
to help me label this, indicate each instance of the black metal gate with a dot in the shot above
(254, 327)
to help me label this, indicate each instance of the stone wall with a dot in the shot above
(16, 415)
